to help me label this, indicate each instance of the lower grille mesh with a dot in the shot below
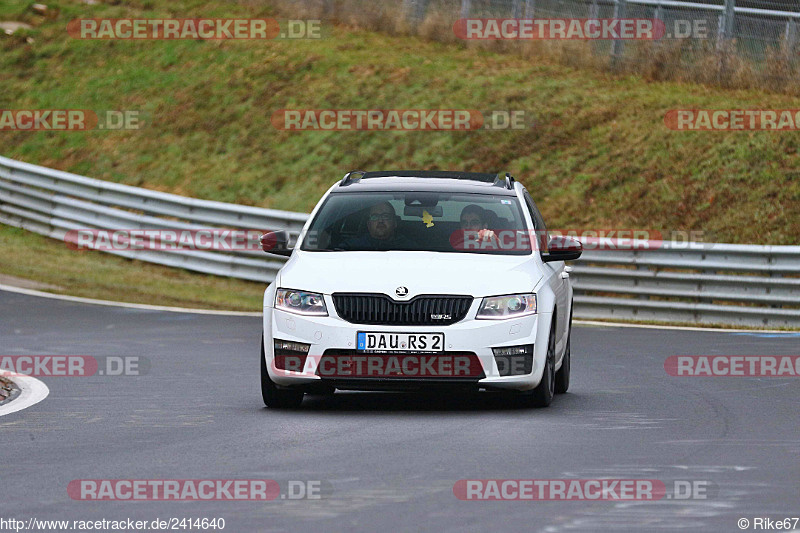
(423, 310)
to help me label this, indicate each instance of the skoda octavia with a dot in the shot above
(419, 281)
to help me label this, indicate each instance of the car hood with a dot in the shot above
(421, 272)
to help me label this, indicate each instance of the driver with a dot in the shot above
(382, 231)
(473, 220)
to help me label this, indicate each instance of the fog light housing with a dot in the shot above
(290, 355)
(291, 346)
(514, 360)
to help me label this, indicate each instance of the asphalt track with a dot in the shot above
(389, 461)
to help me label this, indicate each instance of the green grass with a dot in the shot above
(599, 156)
(108, 277)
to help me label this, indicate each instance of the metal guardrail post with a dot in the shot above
(724, 38)
(411, 9)
(466, 8)
(618, 47)
(726, 20)
(516, 9)
(417, 9)
(329, 9)
(658, 14)
(790, 38)
(530, 8)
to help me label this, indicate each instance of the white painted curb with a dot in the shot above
(32, 391)
(41, 294)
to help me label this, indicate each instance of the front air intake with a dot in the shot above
(422, 310)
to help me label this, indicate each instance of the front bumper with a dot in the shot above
(478, 337)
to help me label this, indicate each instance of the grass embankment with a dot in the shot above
(57, 269)
(599, 156)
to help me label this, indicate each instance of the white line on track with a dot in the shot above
(679, 328)
(41, 294)
(32, 391)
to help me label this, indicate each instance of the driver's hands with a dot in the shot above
(486, 235)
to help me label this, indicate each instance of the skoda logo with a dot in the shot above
(402, 292)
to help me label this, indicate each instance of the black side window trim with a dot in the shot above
(543, 238)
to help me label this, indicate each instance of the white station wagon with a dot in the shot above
(419, 281)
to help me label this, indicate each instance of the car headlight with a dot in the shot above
(507, 306)
(300, 302)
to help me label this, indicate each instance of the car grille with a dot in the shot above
(422, 310)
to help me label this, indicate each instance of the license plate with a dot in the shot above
(400, 342)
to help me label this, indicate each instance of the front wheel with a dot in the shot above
(562, 376)
(543, 394)
(273, 396)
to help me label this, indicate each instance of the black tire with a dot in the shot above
(273, 396)
(542, 395)
(562, 376)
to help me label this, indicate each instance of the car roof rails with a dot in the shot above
(503, 179)
(347, 180)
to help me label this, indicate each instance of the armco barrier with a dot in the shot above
(51, 202)
(702, 283)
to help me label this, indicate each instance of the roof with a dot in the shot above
(428, 181)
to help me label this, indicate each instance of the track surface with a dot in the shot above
(392, 459)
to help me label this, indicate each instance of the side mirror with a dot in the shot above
(276, 242)
(563, 248)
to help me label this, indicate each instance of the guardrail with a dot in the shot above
(758, 34)
(52, 202)
(702, 283)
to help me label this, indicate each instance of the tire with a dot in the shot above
(562, 376)
(542, 395)
(273, 396)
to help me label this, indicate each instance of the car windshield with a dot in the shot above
(419, 221)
